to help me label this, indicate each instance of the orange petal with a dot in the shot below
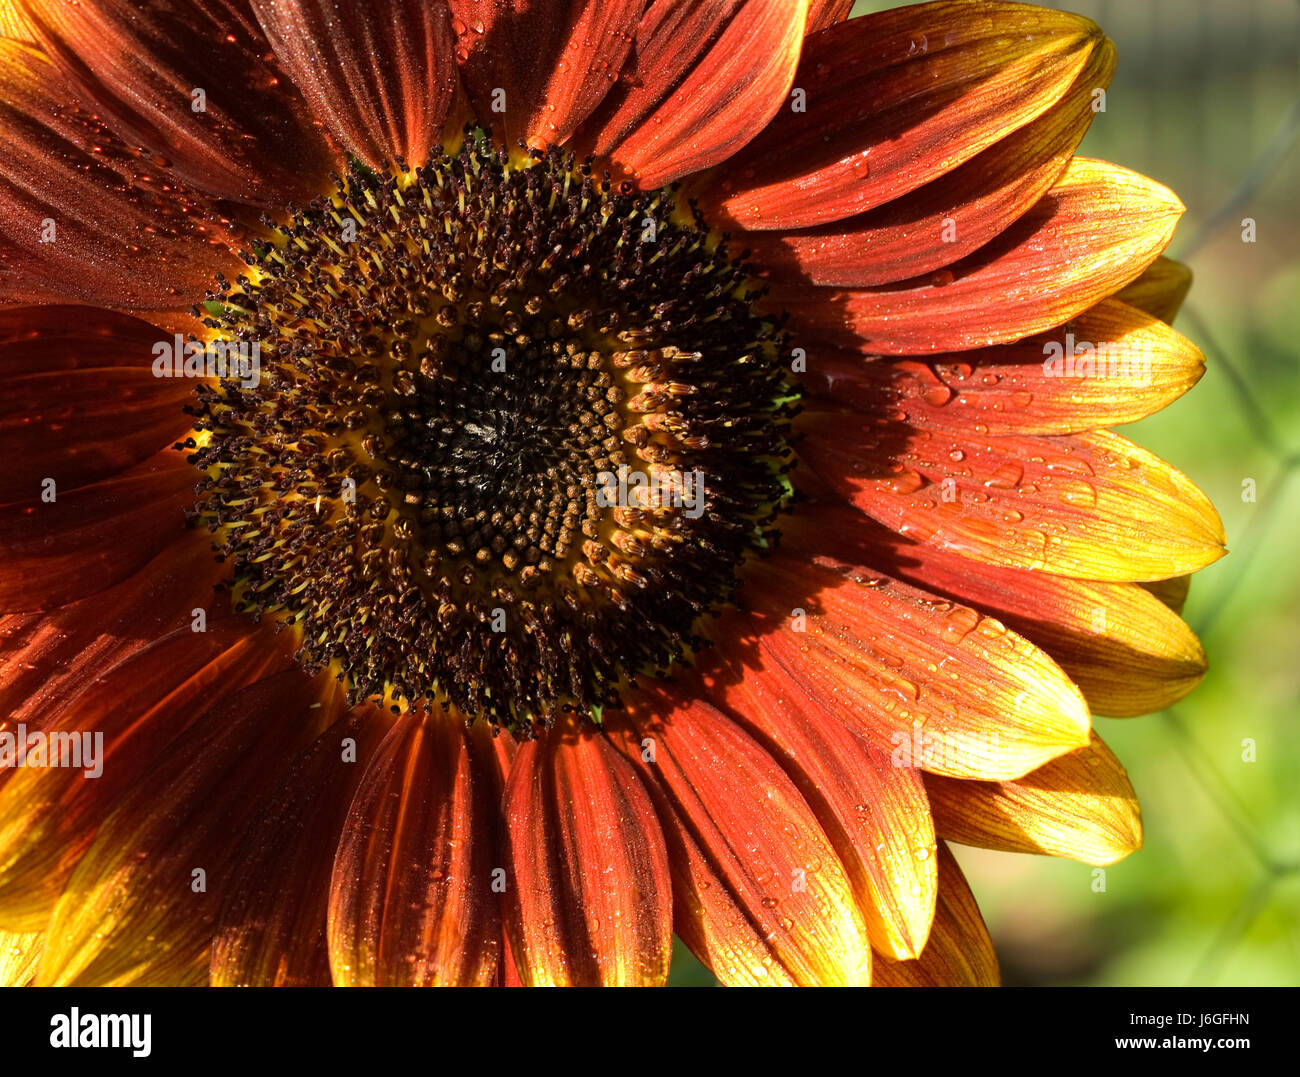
(1160, 290)
(20, 953)
(90, 537)
(895, 100)
(412, 898)
(592, 900)
(12, 23)
(1117, 364)
(874, 812)
(125, 715)
(252, 139)
(703, 80)
(85, 216)
(536, 70)
(380, 75)
(1127, 652)
(759, 893)
(1093, 506)
(271, 932)
(1079, 805)
(959, 953)
(1093, 233)
(81, 402)
(934, 684)
(948, 218)
(141, 905)
(63, 650)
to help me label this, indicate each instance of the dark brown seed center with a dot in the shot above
(514, 432)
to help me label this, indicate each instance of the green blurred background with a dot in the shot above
(1206, 99)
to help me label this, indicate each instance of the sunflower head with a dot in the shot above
(647, 453)
(516, 431)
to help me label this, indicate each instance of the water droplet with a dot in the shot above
(959, 622)
(906, 481)
(1007, 477)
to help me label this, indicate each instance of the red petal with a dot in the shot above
(936, 685)
(1097, 230)
(89, 538)
(412, 900)
(824, 13)
(1093, 506)
(137, 705)
(1126, 651)
(253, 140)
(948, 218)
(874, 813)
(134, 910)
(62, 650)
(380, 75)
(703, 80)
(897, 99)
(81, 402)
(271, 932)
(592, 901)
(85, 215)
(1123, 365)
(553, 59)
(759, 893)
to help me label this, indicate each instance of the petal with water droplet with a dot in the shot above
(939, 687)
(253, 140)
(703, 80)
(1094, 232)
(133, 911)
(1117, 364)
(412, 901)
(20, 953)
(874, 813)
(960, 951)
(1080, 805)
(541, 59)
(948, 218)
(380, 75)
(592, 904)
(271, 932)
(739, 832)
(1092, 506)
(885, 116)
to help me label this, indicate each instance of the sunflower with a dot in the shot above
(493, 484)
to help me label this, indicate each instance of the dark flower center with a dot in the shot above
(513, 432)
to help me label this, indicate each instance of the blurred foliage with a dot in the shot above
(1207, 100)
